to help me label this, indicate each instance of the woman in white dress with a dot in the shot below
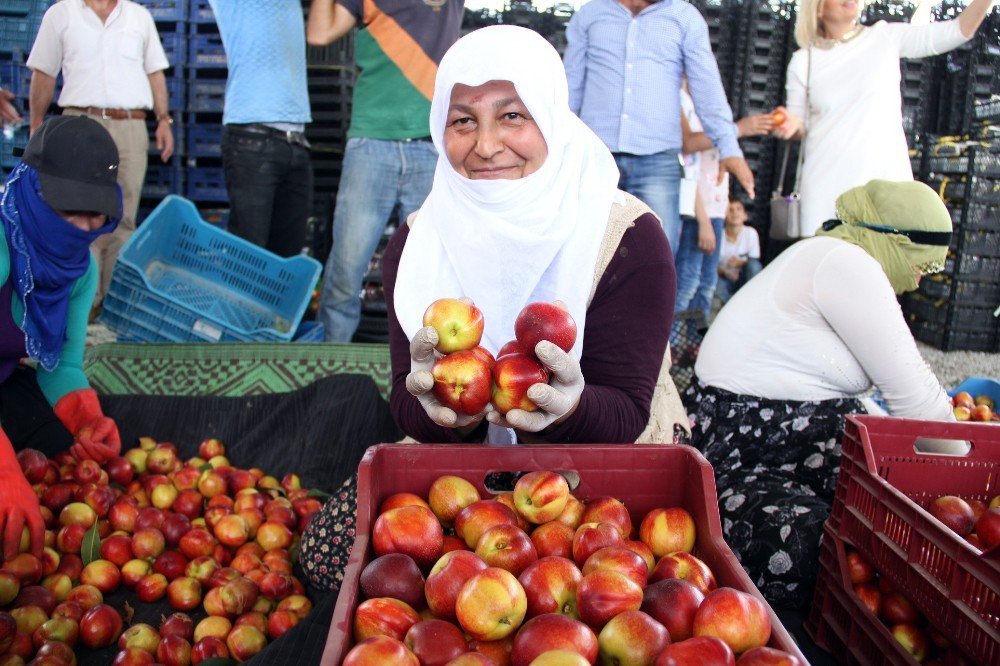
(853, 128)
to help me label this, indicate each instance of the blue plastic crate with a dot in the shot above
(162, 180)
(174, 46)
(15, 76)
(977, 386)
(204, 141)
(309, 331)
(179, 279)
(16, 7)
(206, 184)
(20, 139)
(166, 10)
(17, 33)
(206, 51)
(201, 12)
(176, 94)
(206, 95)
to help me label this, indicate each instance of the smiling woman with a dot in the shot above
(491, 134)
(524, 208)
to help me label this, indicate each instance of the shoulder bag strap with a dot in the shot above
(802, 143)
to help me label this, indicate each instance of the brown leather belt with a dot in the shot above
(111, 114)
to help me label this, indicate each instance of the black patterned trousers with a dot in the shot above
(776, 464)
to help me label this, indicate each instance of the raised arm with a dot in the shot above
(328, 21)
(575, 61)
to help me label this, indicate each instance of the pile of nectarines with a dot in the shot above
(980, 408)
(536, 577)
(906, 624)
(973, 520)
(468, 377)
(200, 533)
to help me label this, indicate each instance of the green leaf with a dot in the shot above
(205, 468)
(318, 494)
(217, 661)
(91, 548)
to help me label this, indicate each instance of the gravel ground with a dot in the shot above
(950, 367)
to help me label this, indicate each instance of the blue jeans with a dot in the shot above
(377, 175)
(656, 180)
(726, 287)
(696, 271)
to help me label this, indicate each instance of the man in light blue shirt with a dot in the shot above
(264, 151)
(624, 61)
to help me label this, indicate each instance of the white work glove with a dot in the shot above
(555, 400)
(420, 381)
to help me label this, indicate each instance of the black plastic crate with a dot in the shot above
(951, 339)
(966, 317)
(961, 291)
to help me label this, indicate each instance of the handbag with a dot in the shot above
(785, 209)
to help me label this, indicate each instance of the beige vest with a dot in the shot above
(666, 409)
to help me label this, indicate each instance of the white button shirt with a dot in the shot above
(103, 65)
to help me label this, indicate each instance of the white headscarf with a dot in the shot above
(507, 243)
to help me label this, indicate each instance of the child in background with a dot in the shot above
(739, 257)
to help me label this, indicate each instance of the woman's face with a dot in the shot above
(83, 220)
(489, 133)
(839, 11)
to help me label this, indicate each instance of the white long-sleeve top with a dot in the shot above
(820, 322)
(854, 127)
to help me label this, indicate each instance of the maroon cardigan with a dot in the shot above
(626, 333)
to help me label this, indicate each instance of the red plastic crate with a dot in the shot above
(878, 508)
(840, 623)
(644, 477)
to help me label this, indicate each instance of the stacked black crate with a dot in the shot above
(722, 30)
(971, 74)
(956, 309)
(163, 178)
(758, 86)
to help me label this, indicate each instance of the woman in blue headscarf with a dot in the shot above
(55, 203)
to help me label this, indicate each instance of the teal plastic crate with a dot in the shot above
(181, 279)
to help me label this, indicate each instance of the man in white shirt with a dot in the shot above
(112, 64)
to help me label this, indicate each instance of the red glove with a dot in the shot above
(18, 505)
(96, 435)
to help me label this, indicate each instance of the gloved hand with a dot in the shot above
(18, 505)
(420, 381)
(556, 400)
(96, 435)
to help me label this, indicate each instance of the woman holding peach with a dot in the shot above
(524, 208)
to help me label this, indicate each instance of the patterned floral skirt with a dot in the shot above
(327, 540)
(776, 464)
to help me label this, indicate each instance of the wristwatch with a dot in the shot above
(165, 117)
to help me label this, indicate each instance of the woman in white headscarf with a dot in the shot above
(524, 208)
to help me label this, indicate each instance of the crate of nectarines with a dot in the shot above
(920, 500)
(862, 618)
(541, 555)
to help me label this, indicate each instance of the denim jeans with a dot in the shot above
(377, 175)
(696, 271)
(269, 182)
(656, 180)
(726, 287)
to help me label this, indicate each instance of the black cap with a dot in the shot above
(77, 164)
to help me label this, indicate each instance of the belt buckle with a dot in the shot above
(104, 115)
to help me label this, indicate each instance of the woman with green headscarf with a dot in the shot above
(788, 356)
